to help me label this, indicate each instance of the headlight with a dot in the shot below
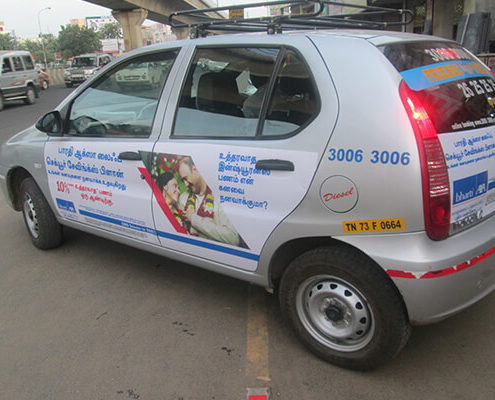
(66, 73)
(89, 72)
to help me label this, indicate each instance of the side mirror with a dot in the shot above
(51, 124)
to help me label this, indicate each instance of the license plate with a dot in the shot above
(374, 225)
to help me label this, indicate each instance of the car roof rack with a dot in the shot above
(314, 16)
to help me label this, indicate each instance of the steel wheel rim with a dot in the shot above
(335, 313)
(30, 216)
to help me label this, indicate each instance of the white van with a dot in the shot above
(18, 77)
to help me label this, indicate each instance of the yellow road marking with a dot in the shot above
(257, 336)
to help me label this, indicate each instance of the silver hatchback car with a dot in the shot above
(352, 171)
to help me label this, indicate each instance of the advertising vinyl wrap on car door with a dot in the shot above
(458, 93)
(90, 184)
(211, 200)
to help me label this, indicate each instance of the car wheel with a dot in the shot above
(43, 228)
(30, 95)
(44, 85)
(344, 307)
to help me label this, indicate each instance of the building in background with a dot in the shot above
(114, 46)
(157, 33)
(470, 22)
(95, 23)
(80, 22)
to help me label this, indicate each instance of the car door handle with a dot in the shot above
(130, 155)
(275, 165)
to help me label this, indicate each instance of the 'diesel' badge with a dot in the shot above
(339, 194)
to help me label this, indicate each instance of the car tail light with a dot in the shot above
(435, 178)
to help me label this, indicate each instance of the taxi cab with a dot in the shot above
(363, 192)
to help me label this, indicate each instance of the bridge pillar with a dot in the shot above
(443, 18)
(131, 26)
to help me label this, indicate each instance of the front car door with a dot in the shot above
(8, 77)
(94, 169)
(12, 76)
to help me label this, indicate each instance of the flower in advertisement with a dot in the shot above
(206, 207)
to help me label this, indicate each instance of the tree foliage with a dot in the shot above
(110, 31)
(6, 41)
(36, 49)
(73, 41)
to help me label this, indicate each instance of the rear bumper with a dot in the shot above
(436, 279)
(439, 294)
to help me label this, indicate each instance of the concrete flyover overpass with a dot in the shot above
(132, 13)
(439, 18)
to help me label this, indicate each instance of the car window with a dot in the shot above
(28, 62)
(84, 62)
(17, 64)
(214, 95)
(6, 67)
(457, 91)
(121, 103)
(230, 92)
(294, 101)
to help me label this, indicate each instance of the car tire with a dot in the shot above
(30, 95)
(43, 228)
(344, 307)
(44, 85)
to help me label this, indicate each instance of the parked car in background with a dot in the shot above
(18, 77)
(84, 66)
(145, 75)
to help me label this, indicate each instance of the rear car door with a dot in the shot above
(239, 147)
(19, 76)
(93, 170)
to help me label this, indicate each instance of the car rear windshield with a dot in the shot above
(456, 89)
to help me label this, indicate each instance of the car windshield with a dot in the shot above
(84, 62)
(456, 89)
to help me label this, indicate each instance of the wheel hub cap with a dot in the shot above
(335, 313)
(30, 216)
